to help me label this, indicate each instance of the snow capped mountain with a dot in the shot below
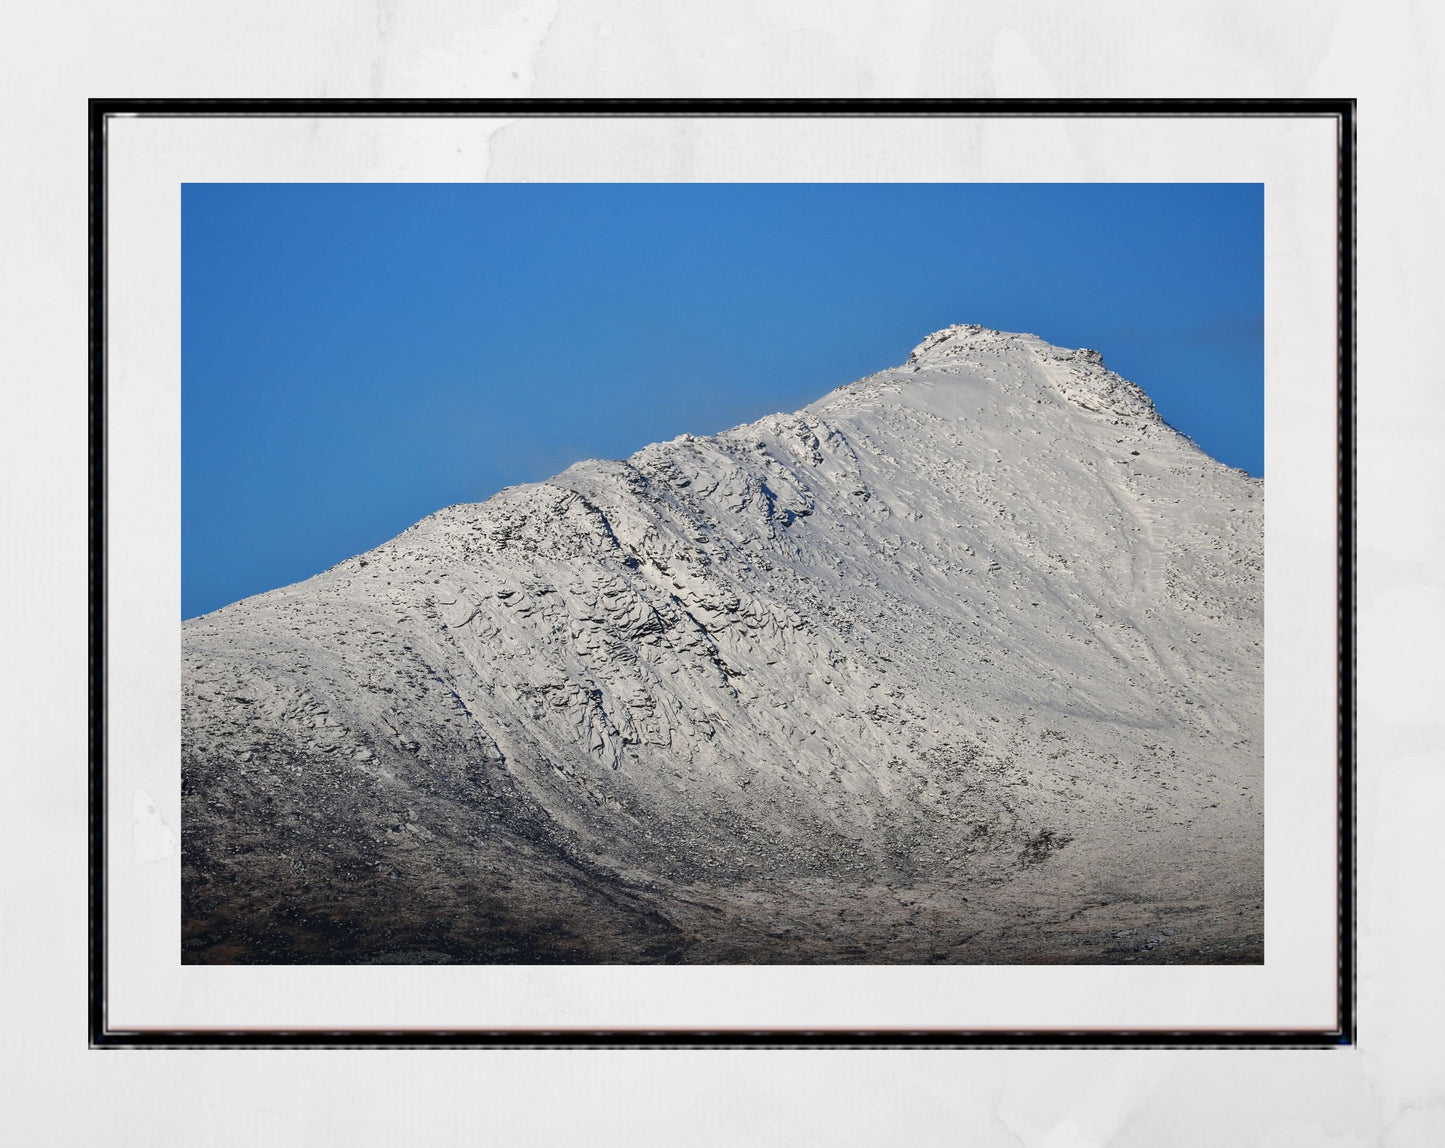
(961, 663)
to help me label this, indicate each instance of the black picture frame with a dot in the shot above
(103, 1035)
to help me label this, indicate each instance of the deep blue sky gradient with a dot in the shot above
(356, 356)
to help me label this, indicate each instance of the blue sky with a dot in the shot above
(356, 356)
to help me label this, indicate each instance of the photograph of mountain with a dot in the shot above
(959, 662)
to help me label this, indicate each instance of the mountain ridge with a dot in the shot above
(981, 625)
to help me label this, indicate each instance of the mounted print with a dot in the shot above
(641, 578)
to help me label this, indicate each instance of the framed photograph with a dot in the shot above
(604, 573)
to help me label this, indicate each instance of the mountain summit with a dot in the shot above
(960, 663)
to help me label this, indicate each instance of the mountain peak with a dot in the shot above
(963, 337)
(945, 371)
(959, 339)
(975, 637)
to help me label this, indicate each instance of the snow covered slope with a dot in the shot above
(960, 663)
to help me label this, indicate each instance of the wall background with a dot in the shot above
(1389, 1090)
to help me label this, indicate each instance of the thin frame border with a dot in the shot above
(101, 1035)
